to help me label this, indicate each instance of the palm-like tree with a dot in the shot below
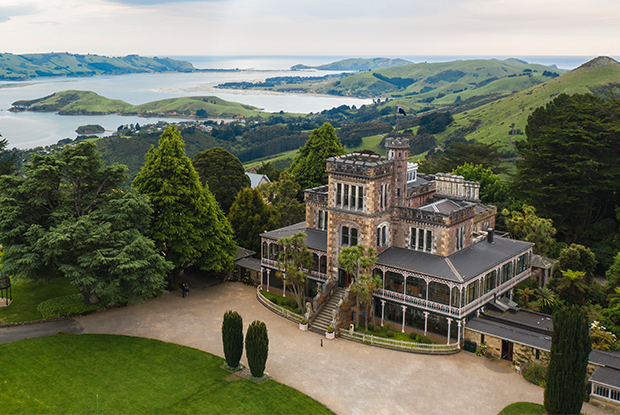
(524, 297)
(365, 286)
(546, 300)
(357, 260)
(571, 287)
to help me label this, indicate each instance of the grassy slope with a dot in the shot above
(19, 67)
(497, 116)
(27, 296)
(71, 374)
(523, 408)
(88, 102)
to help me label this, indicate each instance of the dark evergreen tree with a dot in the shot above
(459, 154)
(257, 347)
(570, 163)
(223, 173)
(308, 167)
(66, 217)
(232, 338)
(570, 349)
(8, 158)
(188, 225)
(250, 216)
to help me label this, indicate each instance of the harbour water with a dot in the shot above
(28, 129)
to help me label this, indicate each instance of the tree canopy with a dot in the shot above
(460, 153)
(8, 158)
(188, 225)
(308, 167)
(529, 227)
(570, 163)
(67, 217)
(223, 173)
(250, 216)
(295, 260)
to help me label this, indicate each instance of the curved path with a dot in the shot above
(347, 377)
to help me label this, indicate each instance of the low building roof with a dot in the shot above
(255, 179)
(539, 261)
(606, 376)
(511, 333)
(445, 206)
(249, 263)
(314, 238)
(461, 265)
(243, 253)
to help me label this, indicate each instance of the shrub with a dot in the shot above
(377, 329)
(304, 321)
(425, 340)
(232, 338)
(257, 347)
(413, 335)
(535, 372)
(389, 333)
(66, 306)
(371, 326)
(330, 329)
(388, 326)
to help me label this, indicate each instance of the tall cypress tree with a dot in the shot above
(257, 347)
(570, 349)
(188, 225)
(232, 338)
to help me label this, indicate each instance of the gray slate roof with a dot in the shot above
(243, 253)
(607, 376)
(511, 333)
(468, 263)
(315, 238)
(539, 261)
(249, 263)
(255, 179)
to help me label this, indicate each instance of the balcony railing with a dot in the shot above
(451, 311)
(315, 275)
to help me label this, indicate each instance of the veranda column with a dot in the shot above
(404, 307)
(449, 321)
(284, 285)
(511, 292)
(382, 311)
(458, 338)
(425, 322)
(268, 274)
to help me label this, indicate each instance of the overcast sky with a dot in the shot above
(312, 27)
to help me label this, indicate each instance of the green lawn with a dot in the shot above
(523, 408)
(97, 373)
(27, 296)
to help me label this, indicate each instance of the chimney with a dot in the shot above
(490, 235)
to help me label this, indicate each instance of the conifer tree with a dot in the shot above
(250, 216)
(570, 349)
(257, 347)
(232, 338)
(308, 167)
(188, 225)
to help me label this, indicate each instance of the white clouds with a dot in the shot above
(324, 27)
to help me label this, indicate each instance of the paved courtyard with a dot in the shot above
(347, 377)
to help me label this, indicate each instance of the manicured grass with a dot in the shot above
(398, 335)
(128, 375)
(523, 408)
(27, 296)
(285, 302)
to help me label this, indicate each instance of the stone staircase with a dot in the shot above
(324, 318)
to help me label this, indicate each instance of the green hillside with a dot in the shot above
(600, 76)
(22, 67)
(89, 103)
(356, 64)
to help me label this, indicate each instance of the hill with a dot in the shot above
(504, 120)
(74, 102)
(354, 64)
(22, 67)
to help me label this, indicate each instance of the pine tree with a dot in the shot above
(570, 349)
(308, 167)
(250, 216)
(188, 225)
(257, 347)
(223, 173)
(232, 338)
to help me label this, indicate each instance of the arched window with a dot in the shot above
(348, 236)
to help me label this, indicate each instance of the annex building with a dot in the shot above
(437, 255)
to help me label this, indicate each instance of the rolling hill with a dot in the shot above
(27, 66)
(73, 102)
(355, 64)
(600, 76)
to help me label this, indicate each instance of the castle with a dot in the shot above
(437, 255)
